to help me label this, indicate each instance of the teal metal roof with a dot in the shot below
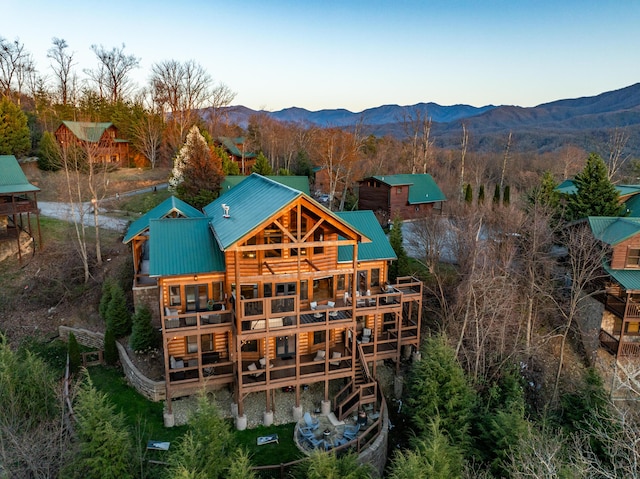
(612, 229)
(300, 183)
(231, 145)
(167, 207)
(633, 206)
(367, 224)
(629, 279)
(87, 130)
(568, 187)
(182, 246)
(422, 187)
(12, 178)
(250, 203)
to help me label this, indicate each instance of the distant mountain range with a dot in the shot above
(586, 122)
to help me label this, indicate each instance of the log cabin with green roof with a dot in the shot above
(269, 289)
(100, 137)
(408, 196)
(620, 327)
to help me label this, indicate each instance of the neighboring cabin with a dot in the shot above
(620, 328)
(268, 289)
(18, 197)
(236, 149)
(101, 138)
(408, 196)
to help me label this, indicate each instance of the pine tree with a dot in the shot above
(468, 194)
(506, 196)
(105, 443)
(105, 298)
(15, 137)
(437, 386)
(481, 195)
(110, 349)
(262, 166)
(73, 349)
(143, 335)
(496, 196)
(240, 467)
(400, 266)
(118, 316)
(595, 194)
(49, 157)
(545, 194)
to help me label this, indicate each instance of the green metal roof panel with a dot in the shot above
(366, 223)
(422, 187)
(612, 229)
(567, 187)
(629, 279)
(231, 145)
(250, 203)
(87, 130)
(300, 183)
(12, 178)
(182, 246)
(633, 206)
(168, 206)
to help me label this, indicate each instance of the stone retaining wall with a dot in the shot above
(148, 296)
(152, 390)
(376, 453)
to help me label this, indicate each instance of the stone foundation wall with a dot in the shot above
(148, 296)
(376, 453)
(152, 390)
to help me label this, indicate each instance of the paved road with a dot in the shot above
(73, 212)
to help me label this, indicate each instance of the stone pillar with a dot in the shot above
(325, 407)
(297, 413)
(398, 384)
(268, 418)
(241, 422)
(234, 409)
(169, 419)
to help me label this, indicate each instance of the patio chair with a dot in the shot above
(336, 355)
(253, 367)
(315, 443)
(320, 355)
(310, 422)
(341, 441)
(306, 432)
(331, 305)
(350, 432)
(313, 305)
(366, 335)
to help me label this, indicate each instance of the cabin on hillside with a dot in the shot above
(268, 290)
(100, 140)
(620, 328)
(629, 195)
(300, 183)
(408, 196)
(18, 198)
(236, 148)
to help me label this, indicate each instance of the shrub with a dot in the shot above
(118, 316)
(110, 348)
(105, 298)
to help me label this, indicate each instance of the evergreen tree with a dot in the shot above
(468, 194)
(197, 172)
(206, 449)
(506, 196)
(118, 316)
(437, 386)
(432, 456)
(545, 194)
(481, 195)
(496, 196)
(15, 137)
(107, 286)
(322, 465)
(400, 266)
(105, 443)
(143, 335)
(229, 167)
(49, 158)
(73, 349)
(262, 166)
(110, 349)
(595, 195)
(240, 467)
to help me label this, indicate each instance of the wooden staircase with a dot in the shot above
(361, 390)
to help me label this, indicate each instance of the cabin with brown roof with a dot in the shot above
(100, 139)
(270, 290)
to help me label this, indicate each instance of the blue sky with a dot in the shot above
(357, 54)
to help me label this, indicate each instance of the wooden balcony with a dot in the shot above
(19, 205)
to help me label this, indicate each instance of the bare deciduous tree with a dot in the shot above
(12, 54)
(417, 128)
(618, 155)
(112, 75)
(147, 137)
(62, 61)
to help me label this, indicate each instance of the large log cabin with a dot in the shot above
(268, 289)
(101, 138)
(407, 196)
(620, 328)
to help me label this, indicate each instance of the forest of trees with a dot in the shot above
(505, 387)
